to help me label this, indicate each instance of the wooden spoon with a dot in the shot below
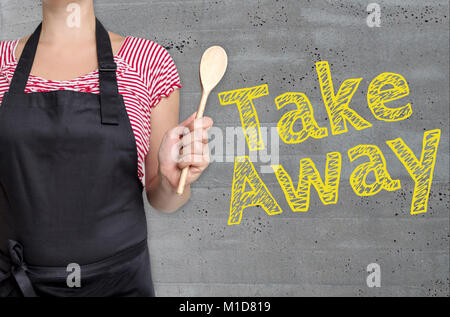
(212, 68)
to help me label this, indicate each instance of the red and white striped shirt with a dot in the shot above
(145, 74)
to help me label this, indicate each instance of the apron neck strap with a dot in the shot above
(25, 63)
(109, 92)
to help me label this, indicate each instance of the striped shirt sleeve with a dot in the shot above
(164, 78)
(154, 65)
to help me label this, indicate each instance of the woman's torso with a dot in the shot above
(145, 74)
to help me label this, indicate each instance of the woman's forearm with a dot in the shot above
(163, 197)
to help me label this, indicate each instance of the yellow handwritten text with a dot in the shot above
(304, 112)
(376, 97)
(243, 98)
(249, 190)
(337, 105)
(298, 199)
(420, 171)
(377, 166)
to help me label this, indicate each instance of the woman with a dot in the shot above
(76, 153)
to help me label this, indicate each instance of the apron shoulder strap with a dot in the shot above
(110, 99)
(23, 69)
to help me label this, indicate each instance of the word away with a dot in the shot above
(249, 190)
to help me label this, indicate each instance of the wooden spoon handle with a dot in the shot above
(184, 171)
(202, 105)
(182, 182)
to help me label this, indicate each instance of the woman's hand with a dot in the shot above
(184, 145)
(173, 146)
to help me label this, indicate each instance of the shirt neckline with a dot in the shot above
(79, 78)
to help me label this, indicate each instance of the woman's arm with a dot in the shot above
(164, 161)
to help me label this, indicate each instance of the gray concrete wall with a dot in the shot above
(324, 251)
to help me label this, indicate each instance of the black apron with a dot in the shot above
(69, 188)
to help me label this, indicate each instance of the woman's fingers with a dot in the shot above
(193, 160)
(195, 147)
(194, 150)
(199, 135)
(193, 124)
(200, 158)
(177, 132)
(193, 142)
(202, 123)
